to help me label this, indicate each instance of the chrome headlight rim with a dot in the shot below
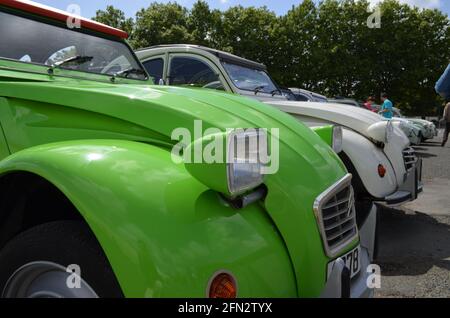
(338, 139)
(245, 174)
(389, 131)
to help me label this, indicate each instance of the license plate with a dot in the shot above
(352, 261)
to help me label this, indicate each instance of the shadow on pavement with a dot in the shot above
(431, 144)
(425, 155)
(412, 243)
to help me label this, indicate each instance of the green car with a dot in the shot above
(96, 204)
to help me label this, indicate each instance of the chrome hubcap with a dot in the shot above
(45, 280)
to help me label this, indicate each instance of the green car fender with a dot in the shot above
(325, 133)
(160, 243)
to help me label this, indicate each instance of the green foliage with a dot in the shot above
(162, 24)
(325, 47)
(115, 18)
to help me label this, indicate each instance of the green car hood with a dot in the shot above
(66, 109)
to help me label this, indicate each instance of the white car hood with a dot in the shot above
(355, 118)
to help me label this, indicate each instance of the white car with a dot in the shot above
(376, 152)
(413, 132)
(427, 129)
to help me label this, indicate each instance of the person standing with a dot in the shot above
(446, 122)
(387, 109)
(368, 104)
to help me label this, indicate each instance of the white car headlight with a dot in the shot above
(405, 127)
(382, 131)
(338, 136)
(244, 166)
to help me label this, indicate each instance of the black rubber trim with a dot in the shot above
(345, 283)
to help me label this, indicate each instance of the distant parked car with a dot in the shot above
(345, 101)
(428, 130)
(413, 131)
(303, 95)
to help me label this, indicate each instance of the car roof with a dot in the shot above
(305, 91)
(63, 16)
(220, 54)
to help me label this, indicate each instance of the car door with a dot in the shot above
(192, 70)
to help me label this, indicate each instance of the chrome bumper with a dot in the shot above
(410, 189)
(339, 284)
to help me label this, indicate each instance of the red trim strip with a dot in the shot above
(52, 13)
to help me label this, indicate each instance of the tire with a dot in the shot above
(421, 139)
(42, 254)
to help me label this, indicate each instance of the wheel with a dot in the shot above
(35, 264)
(421, 138)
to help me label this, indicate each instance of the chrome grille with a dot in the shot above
(409, 156)
(336, 216)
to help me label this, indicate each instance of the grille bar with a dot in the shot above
(336, 216)
(334, 204)
(410, 158)
(344, 230)
(340, 223)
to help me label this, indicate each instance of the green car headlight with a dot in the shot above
(238, 166)
(244, 166)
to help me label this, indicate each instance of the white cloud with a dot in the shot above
(418, 3)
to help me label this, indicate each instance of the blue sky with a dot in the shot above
(88, 7)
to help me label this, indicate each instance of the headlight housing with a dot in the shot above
(338, 136)
(244, 167)
(382, 131)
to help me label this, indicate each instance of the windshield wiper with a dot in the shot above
(129, 71)
(78, 59)
(276, 91)
(258, 89)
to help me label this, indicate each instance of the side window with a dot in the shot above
(301, 98)
(187, 71)
(155, 69)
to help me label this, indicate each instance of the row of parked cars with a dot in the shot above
(90, 183)
(417, 130)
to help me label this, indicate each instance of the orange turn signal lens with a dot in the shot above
(223, 286)
(381, 171)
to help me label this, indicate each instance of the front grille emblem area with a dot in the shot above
(336, 216)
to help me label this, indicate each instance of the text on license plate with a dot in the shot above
(352, 261)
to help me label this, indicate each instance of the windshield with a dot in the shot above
(250, 79)
(35, 42)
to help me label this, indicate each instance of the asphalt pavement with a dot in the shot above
(414, 242)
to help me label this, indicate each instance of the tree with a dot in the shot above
(204, 24)
(161, 24)
(248, 32)
(295, 43)
(323, 46)
(115, 18)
